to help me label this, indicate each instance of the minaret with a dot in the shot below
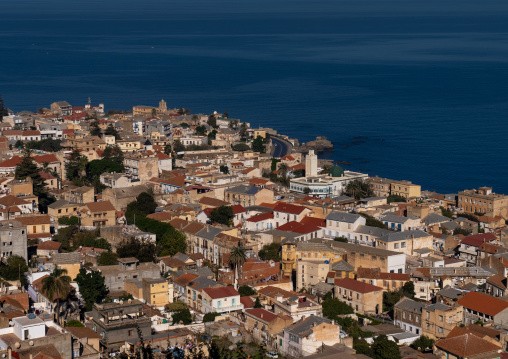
(311, 161)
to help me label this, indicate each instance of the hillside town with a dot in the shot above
(159, 233)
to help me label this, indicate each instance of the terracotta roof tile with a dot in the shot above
(466, 345)
(356, 286)
(100, 206)
(221, 292)
(483, 303)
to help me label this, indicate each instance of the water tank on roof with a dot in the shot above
(31, 316)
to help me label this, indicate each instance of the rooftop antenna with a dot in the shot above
(89, 101)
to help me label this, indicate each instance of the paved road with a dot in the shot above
(280, 148)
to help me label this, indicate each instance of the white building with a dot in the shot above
(221, 300)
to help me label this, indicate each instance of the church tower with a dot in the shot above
(311, 161)
(163, 107)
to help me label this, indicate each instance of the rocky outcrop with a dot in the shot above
(320, 144)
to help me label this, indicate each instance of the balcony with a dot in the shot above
(231, 308)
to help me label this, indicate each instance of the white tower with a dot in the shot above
(311, 161)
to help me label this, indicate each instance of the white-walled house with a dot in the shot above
(342, 224)
(400, 223)
(221, 300)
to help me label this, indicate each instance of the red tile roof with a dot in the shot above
(477, 239)
(356, 286)
(288, 208)
(319, 222)
(483, 303)
(238, 208)
(247, 302)
(34, 220)
(10, 200)
(100, 206)
(46, 175)
(297, 227)
(46, 158)
(261, 217)
(262, 314)
(11, 162)
(466, 345)
(49, 245)
(31, 133)
(185, 279)
(221, 292)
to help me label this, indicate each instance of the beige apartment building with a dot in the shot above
(484, 201)
(141, 168)
(155, 291)
(405, 189)
(292, 253)
(310, 272)
(439, 319)
(362, 297)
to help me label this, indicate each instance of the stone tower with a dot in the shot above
(311, 161)
(163, 107)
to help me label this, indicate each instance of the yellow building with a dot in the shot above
(261, 133)
(36, 226)
(291, 253)
(484, 201)
(63, 208)
(310, 272)
(131, 145)
(155, 291)
(439, 319)
(95, 214)
(405, 189)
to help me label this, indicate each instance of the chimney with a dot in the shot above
(261, 315)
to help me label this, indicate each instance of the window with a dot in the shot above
(449, 320)
(130, 332)
(441, 330)
(402, 244)
(219, 304)
(428, 315)
(26, 335)
(233, 302)
(440, 318)
(428, 326)
(396, 246)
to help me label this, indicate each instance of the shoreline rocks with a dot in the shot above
(320, 144)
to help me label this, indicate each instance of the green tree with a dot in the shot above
(142, 250)
(154, 112)
(341, 239)
(258, 145)
(178, 146)
(113, 153)
(170, 240)
(270, 252)
(359, 189)
(396, 198)
(75, 169)
(243, 130)
(212, 121)
(182, 317)
(3, 109)
(57, 284)
(212, 136)
(446, 212)
(210, 317)
(200, 130)
(28, 168)
(362, 347)
(74, 324)
(107, 259)
(306, 190)
(175, 306)
(14, 269)
(258, 304)
(333, 307)
(47, 145)
(92, 287)
(96, 168)
(409, 289)
(246, 290)
(111, 131)
(422, 344)
(383, 348)
(224, 169)
(167, 149)
(236, 259)
(241, 147)
(19, 144)
(461, 230)
(95, 129)
(223, 215)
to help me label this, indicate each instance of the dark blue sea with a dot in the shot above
(405, 89)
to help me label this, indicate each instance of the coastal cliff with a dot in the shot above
(320, 144)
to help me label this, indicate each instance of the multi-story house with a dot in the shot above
(342, 224)
(120, 322)
(388, 281)
(13, 238)
(407, 314)
(484, 201)
(127, 268)
(221, 300)
(405, 242)
(38, 227)
(293, 252)
(62, 108)
(265, 325)
(311, 271)
(470, 245)
(372, 257)
(248, 196)
(484, 308)
(496, 285)
(364, 298)
(96, 214)
(80, 195)
(297, 307)
(400, 223)
(306, 336)
(405, 189)
(195, 291)
(141, 168)
(438, 319)
(287, 212)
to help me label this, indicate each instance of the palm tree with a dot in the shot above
(236, 259)
(57, 284)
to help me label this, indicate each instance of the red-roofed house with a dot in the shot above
(362, 297)
(265, 325)
(96, 214)
(469, 246)
(260, 222)
(478, 306)
(221, 300)
(285, 212)
(467, 346)
(305, 231)
(388, 281)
